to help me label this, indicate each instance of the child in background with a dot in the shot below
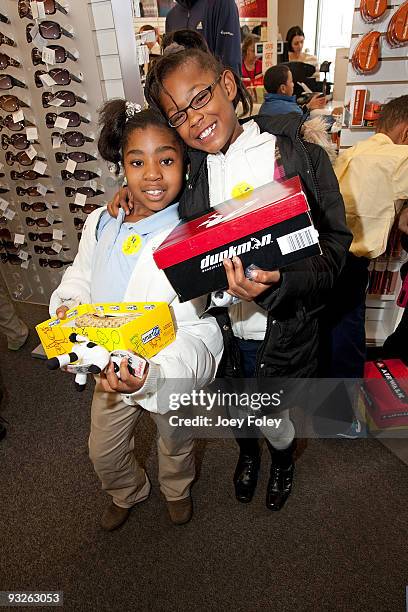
(276, 322)
(279, 99)
(106, 270)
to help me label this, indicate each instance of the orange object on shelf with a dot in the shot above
(372, 113)
(366, 55)
(397, 31)
(372, 10)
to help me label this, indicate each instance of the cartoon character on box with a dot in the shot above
(88, 357)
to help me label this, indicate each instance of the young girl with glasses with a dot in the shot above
(115, 264)
(275, 322)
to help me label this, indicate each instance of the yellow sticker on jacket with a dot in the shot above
(241, 189)
(132, 244)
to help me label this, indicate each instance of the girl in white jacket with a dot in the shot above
(115, 263)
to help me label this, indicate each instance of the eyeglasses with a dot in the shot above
(53, 263)
(5, 40)
(73, 117)
(61, 55)
(87, 191)
(77, 156)
(87, 208)
(8, 122)
(73, 139)
(27, 175)
(4, 19)
(35, 207)
(21, 158)
(10, 104)
(42, 222)
(30, 191)
(8, 82)
(6, 61)
(11, 258)
(201, 99)
(50, 30)
(68, 98)
(50, 8)
(78, 175)
(19, 141)
(45, 237)
(40, 250)
(60, 75)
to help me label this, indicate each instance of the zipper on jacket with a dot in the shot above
(309, 164)
(261, 350)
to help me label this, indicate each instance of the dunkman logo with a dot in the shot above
(151, 334)
(244, 247)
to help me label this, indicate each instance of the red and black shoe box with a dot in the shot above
(385, 392)
(269, 226)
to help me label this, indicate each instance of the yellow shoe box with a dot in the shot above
(151, 330)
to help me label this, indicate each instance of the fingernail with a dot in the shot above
(227, 262)
(235, 259)
(252, 274)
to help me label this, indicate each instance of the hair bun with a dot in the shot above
(173, 48)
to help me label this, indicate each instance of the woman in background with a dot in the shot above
(295, 39)
(251, 65)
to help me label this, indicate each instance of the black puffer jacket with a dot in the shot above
(290, 348)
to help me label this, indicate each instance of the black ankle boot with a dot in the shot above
(246, 477)
(281, 477)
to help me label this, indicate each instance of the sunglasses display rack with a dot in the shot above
(51, 177)
(377, 73)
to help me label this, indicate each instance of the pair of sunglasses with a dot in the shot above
(53, 263)
(73, 139)
(10, 247)
(61, 76)
(4, 18)
(6, 61)
(43, 237)
(70, 192)
(4, 189)
(7, 122)
(5, 40)
(79, 223)
(19, 141)
(35, 207)
(61, 55)
(32, 192)
(68, 98)
(73, 117)
(8, 82)
(79, 157)
(41, 250)
(21, 158)
(11, 258)
(78, 175)
(50, 30)
(27, 175)
(50, 8)
(87, 208)
(42, 222)
(10, 104)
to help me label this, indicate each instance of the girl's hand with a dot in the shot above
(242, 287)
(127, 383)
(316, 103)
(123, 199)
(61, 312)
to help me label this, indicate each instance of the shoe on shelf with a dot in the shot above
(355, 431)
(16, 345)
(281, 477)
(180, 511)
(246, 477)
(113, 517)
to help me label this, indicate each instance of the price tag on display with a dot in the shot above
(31, 152)
(92, 184)
(18, 116)
(48, 56)
(19, 239)
(23, 255)
(34, 9)
(57, 247)
(57, 234)
(71, 166)
(80, 199)
(47, 80)
(41, 10)
(3, 205)
(41, 188)
(56, 101)
(9, 214)
(40, 167)
(50, 218)
(62, 123)
(25, 265)
(32, 133)
(56, 142)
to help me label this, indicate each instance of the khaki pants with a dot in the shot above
(13, 328)
(111, 445)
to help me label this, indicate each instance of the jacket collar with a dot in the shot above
(276, 96)
(186, 4)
